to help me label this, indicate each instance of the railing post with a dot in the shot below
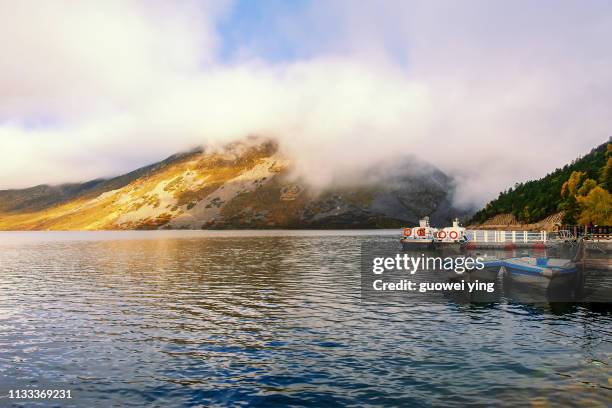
(525, 236)
(513, 236)
(485, 236)
(544, 232)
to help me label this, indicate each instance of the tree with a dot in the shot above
(586, 187)
(569, 203)
(606, 174)
(525, 214)
(570, 187)
(556, 191)
(596, 207)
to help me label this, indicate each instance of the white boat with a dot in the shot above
(427, 237)
(421, 237)
(455, 233)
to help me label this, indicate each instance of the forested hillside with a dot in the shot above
(581, 189)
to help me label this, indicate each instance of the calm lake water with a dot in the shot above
(272, 319)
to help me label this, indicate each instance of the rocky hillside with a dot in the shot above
(248, 184)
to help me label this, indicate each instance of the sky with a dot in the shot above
(490, 92)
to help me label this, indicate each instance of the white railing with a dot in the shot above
(506, 236)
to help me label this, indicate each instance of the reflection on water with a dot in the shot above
(181, 319)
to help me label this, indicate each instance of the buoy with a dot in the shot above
(442, 234)
(453, 235)
(407, 232)
(421, 232)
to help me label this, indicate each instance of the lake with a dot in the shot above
(272, 318)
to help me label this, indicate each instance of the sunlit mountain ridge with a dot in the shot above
(246, 184)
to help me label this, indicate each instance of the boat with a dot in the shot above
(427, 237)
(455, 233)
(421, 237)
(451, 239)
(541, 272)
(489, 272)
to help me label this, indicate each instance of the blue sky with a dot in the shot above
(257, 25)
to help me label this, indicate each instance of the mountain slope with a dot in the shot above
(248, 184)
(44, 196)
(535, 200)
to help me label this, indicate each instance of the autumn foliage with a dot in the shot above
(587, 201)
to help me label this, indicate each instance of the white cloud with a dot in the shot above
(65, 59)
(491, 93)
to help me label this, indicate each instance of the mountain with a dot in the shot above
(549, 196)
(246, 184)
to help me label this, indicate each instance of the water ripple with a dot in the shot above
(271, 320)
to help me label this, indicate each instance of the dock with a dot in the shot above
(597, 247)
(487, 239)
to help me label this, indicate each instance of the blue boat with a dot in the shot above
(541, 272)
(488, 272)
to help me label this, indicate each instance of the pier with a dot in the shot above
(597, 244)
(506, 239)
(597, 240)
(534, 239)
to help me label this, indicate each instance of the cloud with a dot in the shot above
(65, 59)
(491, 93)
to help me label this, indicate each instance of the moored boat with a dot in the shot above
(450, 239)
(454, 233)
(488, 272)
(427, 237)
(421, 237)
(541, 272)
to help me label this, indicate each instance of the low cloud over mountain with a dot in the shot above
(246, 184)
(489, 92)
